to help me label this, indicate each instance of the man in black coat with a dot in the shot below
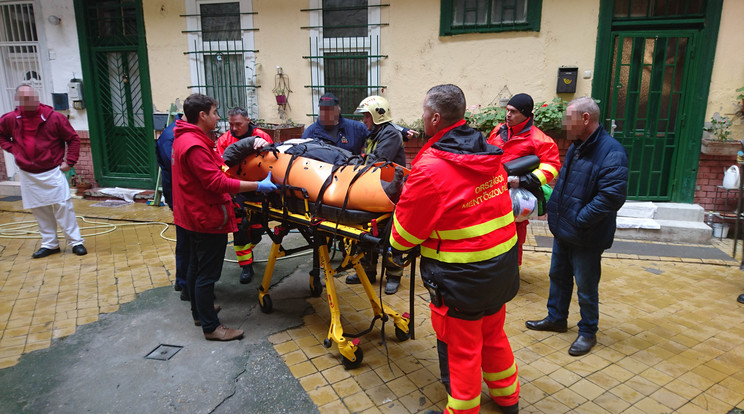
(592, 186)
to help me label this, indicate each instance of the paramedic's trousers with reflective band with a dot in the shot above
(468, 349)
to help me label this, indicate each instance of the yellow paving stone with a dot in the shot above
(401, 386)
(39, 336)
(565, 377)
(547, 384)
(6, 362)
(380, 395)
(302, 369)
(335, 374)
(569, 397)
(326, 361)
(551, 405)
(358, 402)
(84, 320)
(286, 347)
(611, 402)
(313, 381)
(347, 387)
(394, 407)
(586, 389)
(650, 406)
(323, 395)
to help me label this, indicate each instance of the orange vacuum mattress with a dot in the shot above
(366, 193)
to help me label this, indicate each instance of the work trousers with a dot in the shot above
(521, 237)
(250, 230)
(207, 253)
(182, 257)
(471, 348)
(49, 216)
(569, 262)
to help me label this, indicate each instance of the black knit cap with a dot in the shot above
(523, 103)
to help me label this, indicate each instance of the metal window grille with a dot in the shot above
(635, 9)
(20, 60)
(466, 16)
(345, 52)
(222, 56)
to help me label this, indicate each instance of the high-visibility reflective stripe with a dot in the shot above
(495, 376)
(469, 257)
(410, 238)
(505, 391)
(462, 404)
(474, 231)
(244, 252)
(549, 168)
(540, 176)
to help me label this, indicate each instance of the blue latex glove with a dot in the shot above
(265, 185)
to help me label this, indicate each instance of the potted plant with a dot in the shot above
(80, 183)
(716, 137)
(485, 118)
(549, 117)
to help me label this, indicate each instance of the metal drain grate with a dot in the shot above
(10, 198)
(163, 352)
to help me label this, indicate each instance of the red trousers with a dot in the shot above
(521, 237)
(471, 348)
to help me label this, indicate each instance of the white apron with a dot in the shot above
(44, 189)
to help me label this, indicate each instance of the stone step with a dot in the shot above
(10, 188)
(677, 231)
(679, 212)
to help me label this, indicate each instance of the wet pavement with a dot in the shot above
(74, 333)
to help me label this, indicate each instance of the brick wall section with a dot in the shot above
(710, 175)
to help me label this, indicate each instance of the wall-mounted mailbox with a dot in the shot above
(567, 79)
(60, 102)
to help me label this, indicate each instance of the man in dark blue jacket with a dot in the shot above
(163, 152)
(333, 128)
(591, 187)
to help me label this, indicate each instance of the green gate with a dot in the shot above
(649, 74)
(117, 91)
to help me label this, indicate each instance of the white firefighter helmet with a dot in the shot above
(378, 107)
(524, 204)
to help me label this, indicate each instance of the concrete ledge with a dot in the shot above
(694, 232)
(679, 211)
(10, 188)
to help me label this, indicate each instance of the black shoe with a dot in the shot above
(740, 299)
(177, 287)
(246, 275)
(582, 345)
(79, 250)
(547, 325)
(392, 285)
(44, 252)
(510, 409)
(354, 279)
(185, 296)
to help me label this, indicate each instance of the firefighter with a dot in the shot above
(456, 207)
(384, 143)
(249, 224)
(519, 137)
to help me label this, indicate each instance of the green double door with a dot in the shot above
(117, 91)
(646, 106)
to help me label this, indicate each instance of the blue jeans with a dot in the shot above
(205, 268)
(182, 257)
(584, 264)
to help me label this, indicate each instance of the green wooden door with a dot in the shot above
(650, 72)
(117, 91)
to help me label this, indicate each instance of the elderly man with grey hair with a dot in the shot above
(44, 146)
(592, 186)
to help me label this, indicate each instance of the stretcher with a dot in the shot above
(358, 231)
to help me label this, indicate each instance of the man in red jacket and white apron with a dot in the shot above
(36, 135)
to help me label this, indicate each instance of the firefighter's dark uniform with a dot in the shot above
(456, 206)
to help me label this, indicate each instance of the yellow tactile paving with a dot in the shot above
(671, 334)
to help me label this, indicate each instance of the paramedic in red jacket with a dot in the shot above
(249, 224)
(203, 207)
(36, 135)
(519, 137)
(456, 206)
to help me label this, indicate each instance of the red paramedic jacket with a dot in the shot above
(201, 190)
(456, 206)
(227, 138)
(526, 139)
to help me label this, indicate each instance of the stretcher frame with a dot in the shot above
(316, 232)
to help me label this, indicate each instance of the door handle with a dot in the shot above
(613, 127)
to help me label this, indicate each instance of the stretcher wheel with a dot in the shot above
(266, 305)
(315, 287)
(348, 364)
(402, 336)
(327, 343)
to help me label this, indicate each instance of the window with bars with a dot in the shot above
(635, 9)
(480, 16)
(345, 51)
(20, 60)
(222, 55)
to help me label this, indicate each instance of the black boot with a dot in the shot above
(247, 274)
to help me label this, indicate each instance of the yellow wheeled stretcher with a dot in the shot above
(358, 237)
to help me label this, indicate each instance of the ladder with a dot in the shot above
(172, 112)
